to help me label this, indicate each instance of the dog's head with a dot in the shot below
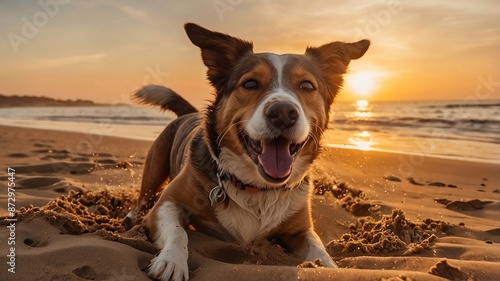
(270, 110)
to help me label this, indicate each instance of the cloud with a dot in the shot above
(133, 12)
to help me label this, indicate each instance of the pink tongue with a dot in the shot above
(275, 158)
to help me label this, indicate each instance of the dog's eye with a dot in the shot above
(250, 84)
(307, 86)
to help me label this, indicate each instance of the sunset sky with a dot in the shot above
(104, 50)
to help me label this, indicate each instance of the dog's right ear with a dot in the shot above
(219, 51)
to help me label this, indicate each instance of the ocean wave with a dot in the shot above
(419, 122)
(135, 120)
(464, 105)
(107, 117)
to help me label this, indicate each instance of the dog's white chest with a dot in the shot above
(252, 216)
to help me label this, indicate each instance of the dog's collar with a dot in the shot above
(218, 194)
(239, 184)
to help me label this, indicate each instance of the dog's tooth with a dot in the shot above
(257, 146)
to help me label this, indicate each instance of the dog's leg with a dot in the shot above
(168, 233)
(308, 245)
(156, 173)
(156, 169)
(315, 249)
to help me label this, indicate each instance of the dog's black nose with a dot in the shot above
(282, 114)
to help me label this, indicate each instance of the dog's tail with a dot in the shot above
(164, 97)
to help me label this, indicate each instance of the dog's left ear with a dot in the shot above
(335, 57)
(219, 51)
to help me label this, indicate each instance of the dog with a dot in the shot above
(237, 171)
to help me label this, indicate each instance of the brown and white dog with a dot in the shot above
(238, 170)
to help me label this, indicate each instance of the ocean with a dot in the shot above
(449, 129)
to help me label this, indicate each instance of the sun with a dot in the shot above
(362, 83)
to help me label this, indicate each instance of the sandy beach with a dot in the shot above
(382, 216)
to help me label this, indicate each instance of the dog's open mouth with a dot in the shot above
(274, 157)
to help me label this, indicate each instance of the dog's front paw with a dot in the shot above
(167, 267)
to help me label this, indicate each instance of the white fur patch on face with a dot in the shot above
(259, 128)
(251, 216)
(278, 62)
(171, 262)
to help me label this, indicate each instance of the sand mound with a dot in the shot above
(444, 269)
(84, 211)
(351, 199)
(470, 205)
(99, 212)
(391, 234)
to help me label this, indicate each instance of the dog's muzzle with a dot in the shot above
(274, 155)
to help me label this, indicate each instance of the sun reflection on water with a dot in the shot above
(362, 105)
(361, 140)
(362, 109)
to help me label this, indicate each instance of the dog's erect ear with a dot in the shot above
(219, 51)
(335, 57)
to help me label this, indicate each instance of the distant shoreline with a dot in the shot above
(34, 101)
